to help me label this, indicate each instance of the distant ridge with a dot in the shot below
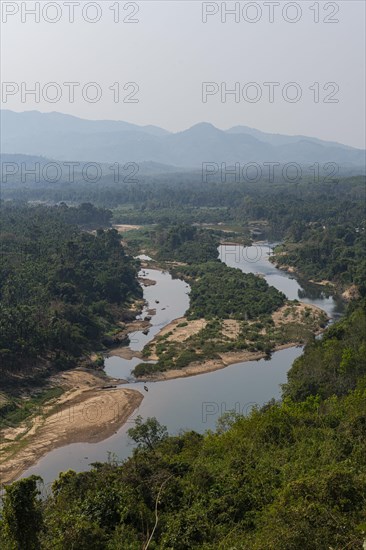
(65, 137)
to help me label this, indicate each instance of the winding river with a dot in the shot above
(194, 403)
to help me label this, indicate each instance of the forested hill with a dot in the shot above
(61, 288)
(290, 476)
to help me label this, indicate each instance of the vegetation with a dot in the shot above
(186, 243)
(178, 242)
(322, 223)
(289, 475)
(22, 515)
(333, 365)
(219, 336)
(61, 288)
(333, 252)
(185, 197)
(16, 409)
(227, 293)
(238, 308)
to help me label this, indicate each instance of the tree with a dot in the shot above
(147, 434)
(22, 515)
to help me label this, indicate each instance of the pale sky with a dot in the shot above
(170, 53)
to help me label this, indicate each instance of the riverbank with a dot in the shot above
(346, 291)
(211, 365)
(90, 410)
(231, 341)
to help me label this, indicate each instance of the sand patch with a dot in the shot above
(86, 412)
(210, 365)
(122, 228)
(231, 329)
(296, 313)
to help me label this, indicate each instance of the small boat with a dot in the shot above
(146, 388)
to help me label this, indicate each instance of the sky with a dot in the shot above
(295, 67)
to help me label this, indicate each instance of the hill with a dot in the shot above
(64, 137)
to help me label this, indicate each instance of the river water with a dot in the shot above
(194, 403)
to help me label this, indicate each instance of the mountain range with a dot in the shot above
(65, 137)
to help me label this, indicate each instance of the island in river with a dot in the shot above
(233, 316)
(228, 342)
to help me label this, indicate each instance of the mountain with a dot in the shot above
(65, 137)
(279, 139)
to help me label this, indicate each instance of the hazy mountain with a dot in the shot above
(279, 139)
(65, 137)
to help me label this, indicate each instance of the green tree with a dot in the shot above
(149, 433)
(22, 514)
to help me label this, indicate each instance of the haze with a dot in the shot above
(170, 52)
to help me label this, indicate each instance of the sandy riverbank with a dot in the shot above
(182, 329)
(122, 228)
(85, 412)
(225, 360)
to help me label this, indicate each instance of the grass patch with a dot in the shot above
(16, 410)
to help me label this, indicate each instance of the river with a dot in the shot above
(194, 403)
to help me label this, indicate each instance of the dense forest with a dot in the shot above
(226, 292)
(333, 365)
(322, 225)
(321, 222)
(62, 288)
(186, 197)
(332, 252)
(181, 242)
(185, 243)
(289, 475)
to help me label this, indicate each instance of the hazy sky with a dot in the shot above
(169, 53)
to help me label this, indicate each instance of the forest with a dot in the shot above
(322, 223)
(226, 292)
(332, 252)
(289, 475)
(185, 243)
(62, 287)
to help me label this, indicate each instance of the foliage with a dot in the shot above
(186, 243)
(333, 365)
(61, 288)
(22, 515)
(147, 434)
(289, 475)
(217, 338)
(225, 292)
(333, 252)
